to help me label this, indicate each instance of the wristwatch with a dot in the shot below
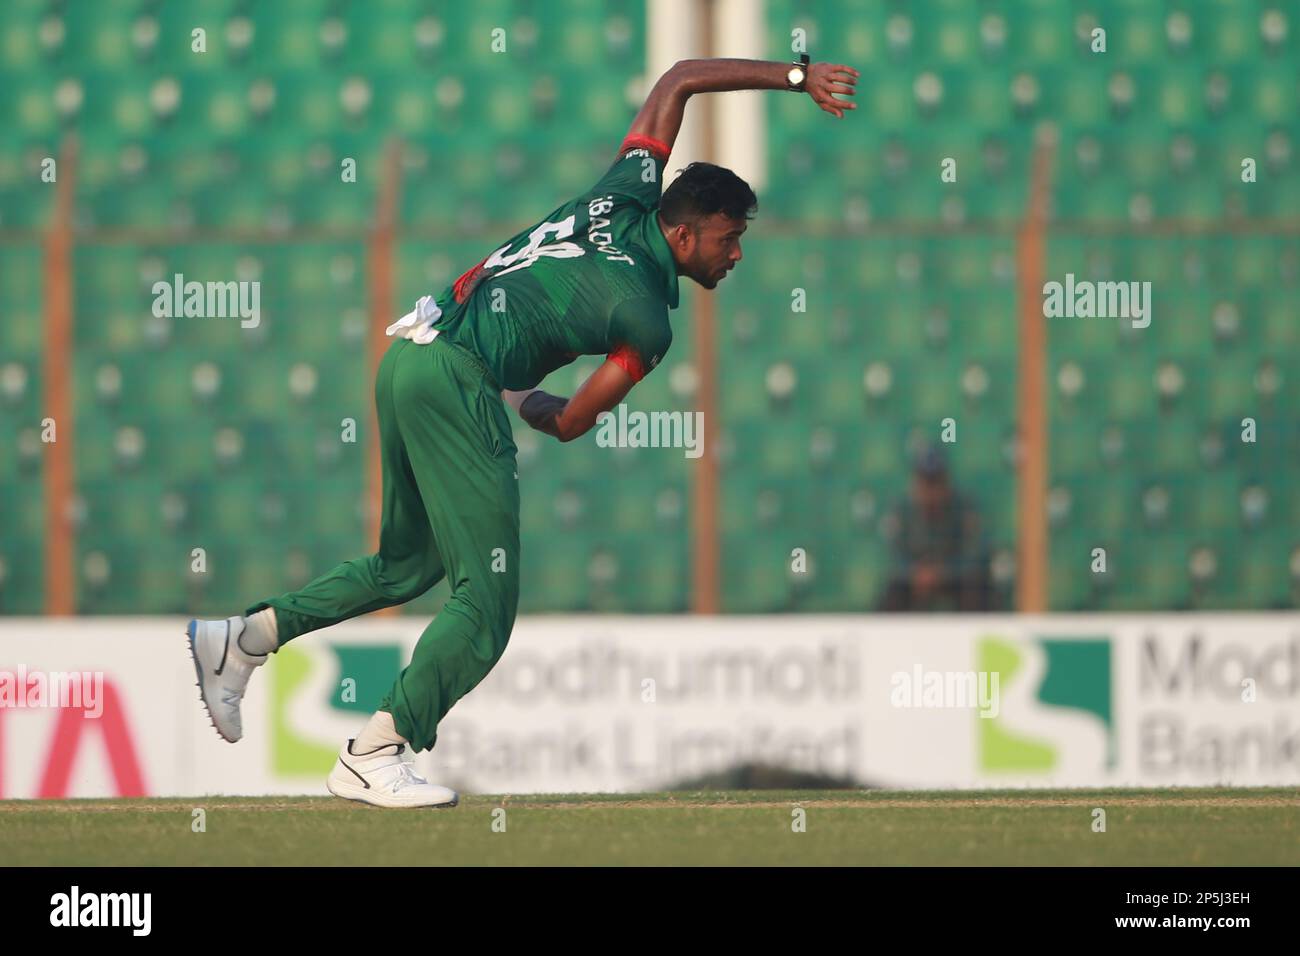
(797, 75)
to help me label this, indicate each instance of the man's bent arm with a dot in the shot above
(661, 116)
(567, 419)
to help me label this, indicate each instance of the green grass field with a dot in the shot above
(848, 827)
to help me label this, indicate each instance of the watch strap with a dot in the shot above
(802, 63)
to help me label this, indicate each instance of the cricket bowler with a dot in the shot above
(597, 276)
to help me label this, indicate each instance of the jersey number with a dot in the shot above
(537, 247)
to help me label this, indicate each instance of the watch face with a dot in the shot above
(795, 76)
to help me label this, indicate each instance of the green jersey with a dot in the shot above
(595, 277)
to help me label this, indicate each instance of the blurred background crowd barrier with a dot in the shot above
(825, 428)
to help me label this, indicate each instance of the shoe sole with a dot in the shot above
(190, 632)
(357, 795)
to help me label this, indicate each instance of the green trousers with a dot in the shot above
(450, 509)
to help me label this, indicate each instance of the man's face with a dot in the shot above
(708, 254)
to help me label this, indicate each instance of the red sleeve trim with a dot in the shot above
(658, 147)
(626, 358)
(463, 286)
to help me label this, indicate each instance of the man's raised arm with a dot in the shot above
(660, 117)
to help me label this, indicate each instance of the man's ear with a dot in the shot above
(683, 232)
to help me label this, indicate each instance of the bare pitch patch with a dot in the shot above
(170, 806)
(867, 801)
(1272, 801)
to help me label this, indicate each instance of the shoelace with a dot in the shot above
(406, 777)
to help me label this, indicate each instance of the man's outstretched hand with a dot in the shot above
(826, 80)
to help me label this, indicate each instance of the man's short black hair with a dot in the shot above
(703, 189)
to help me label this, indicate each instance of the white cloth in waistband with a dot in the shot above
(417, 325)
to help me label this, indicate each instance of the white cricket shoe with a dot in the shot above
(383, 778)
(223, 670)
